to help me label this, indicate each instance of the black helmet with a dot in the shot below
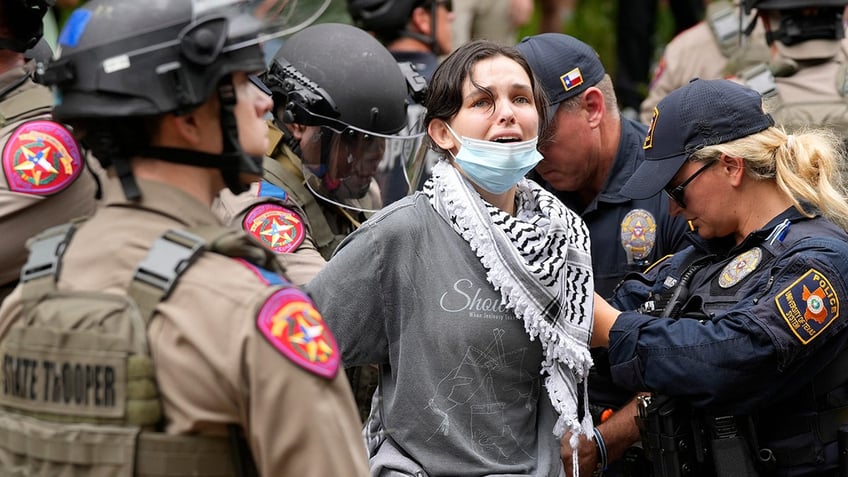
(388, 19)
(134, 59)
(125, 58)
(790, 4)
(23, 18)
(342, 81)
(801, 20)
(382, 15)
(337, 75)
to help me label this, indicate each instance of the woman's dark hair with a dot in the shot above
(444, 94)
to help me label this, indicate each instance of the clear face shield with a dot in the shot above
(357, 169)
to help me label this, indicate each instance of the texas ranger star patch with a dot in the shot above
(290, 322)
(41, 158)
(277, 227)
(809, 305)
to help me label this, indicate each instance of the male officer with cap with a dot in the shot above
(589, 153)
(44, 178)
(713, 48)
(805, 83)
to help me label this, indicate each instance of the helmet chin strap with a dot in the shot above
(234, 161)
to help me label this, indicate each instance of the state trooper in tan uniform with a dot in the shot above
(44, 180)
(340, 100)
(150, 339)
(805, 83)
(714, 48)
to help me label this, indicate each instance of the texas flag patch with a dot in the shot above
(292, 325)
(808, 305)
(572, 79)
(41, 158)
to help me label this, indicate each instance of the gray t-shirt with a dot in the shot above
(461, 391)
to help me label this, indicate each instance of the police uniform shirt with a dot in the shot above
(643, 226)
(212, 365)
(761, 320)
(43, 181)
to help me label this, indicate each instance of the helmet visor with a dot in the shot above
(358, 169)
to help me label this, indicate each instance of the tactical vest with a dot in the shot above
(804, 95)
(79, 391)
(807, 424)
(282, 169)
(724, 22)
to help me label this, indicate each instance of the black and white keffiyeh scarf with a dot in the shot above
(540, 262)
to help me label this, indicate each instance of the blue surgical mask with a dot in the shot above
(495, 166)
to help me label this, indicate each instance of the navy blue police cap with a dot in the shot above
(563, 64)
(699, 114)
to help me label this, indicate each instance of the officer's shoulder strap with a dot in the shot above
(176, 250)
(723, 20)
(761, 79)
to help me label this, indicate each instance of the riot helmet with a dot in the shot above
(388, 19)
(796, 21)
(348, 95)
(23, 20)
(122, 61)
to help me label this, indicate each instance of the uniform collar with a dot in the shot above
(9, 80)
(161, 199)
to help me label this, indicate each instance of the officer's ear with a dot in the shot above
(419, 20)
(733, 167)
(297, 130)
(595, 106)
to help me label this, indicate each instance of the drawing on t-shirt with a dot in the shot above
(470, 401)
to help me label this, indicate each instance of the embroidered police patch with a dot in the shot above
(41, 158)
(277, 227)
(638, 233)
(292, 325)
(740, 267)
(809, 305)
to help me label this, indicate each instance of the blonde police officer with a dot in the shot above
(44, 180)
(216, 365)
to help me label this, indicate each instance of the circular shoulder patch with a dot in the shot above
(41, 158)
(740, 267)
(278, 228)
(290, 322)
(639, 233)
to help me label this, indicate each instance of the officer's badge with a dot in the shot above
(809, 305)
(740, 267)
(278, 228)
(638, 233)
(290, 323)
(41, 158)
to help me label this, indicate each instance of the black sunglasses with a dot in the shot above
(676, 193)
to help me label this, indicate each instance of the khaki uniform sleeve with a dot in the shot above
(215, 367)
(301, 264)
(693, 53)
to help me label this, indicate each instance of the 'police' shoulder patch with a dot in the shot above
(808, 305)
(638, 233)
(41, 157)
(277, 227)
(292, 325)
(740, 267)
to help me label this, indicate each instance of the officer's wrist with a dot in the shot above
(601, 448)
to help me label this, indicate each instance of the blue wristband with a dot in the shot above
(602, 450)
